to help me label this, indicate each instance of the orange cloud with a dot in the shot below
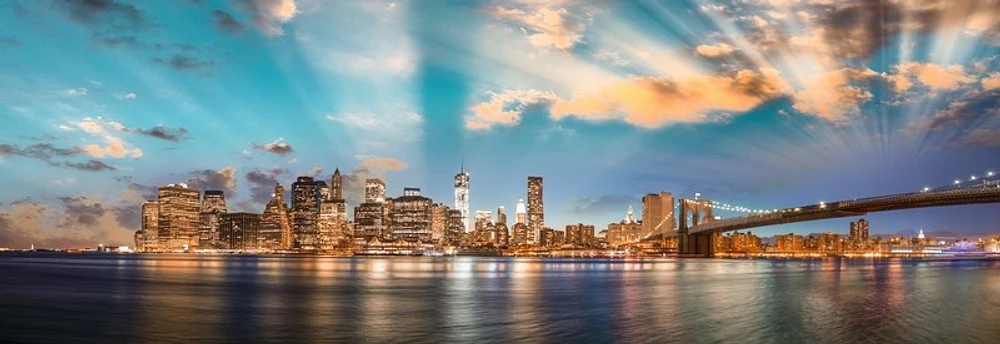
(654, 102)
(935, 76)
(721, 49)
(832, 95)
(992, 81)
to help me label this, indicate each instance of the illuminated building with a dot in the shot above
(628, 231)
(331, 226)
(739, 243)
(536, 211)
(213, 205)
(178, 217)
(370, 221)
(305, 213)
(658, 214)
(238, 231)
(547, 237)
(859, 230)
(275, 229)
(455, 226)
(147, 240)
(501, 235)
(374, 190)
(462, 196)
(521, 212)
(790, 242)
(439, 222)
(518, 234)
(580, 235)
(410, 217)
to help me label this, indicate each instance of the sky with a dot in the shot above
(756, 103)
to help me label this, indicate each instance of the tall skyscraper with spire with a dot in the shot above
(536, 210)
(462, 195)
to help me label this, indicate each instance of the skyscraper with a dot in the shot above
(521, 215)
(238, 231)
(462, 196)
(148, 240)
(177, 220)
(454, 227)
(337, 185)
(439, 222)
(305, 212)
(213, 205)
(374, 190)
(536, 210)
(658, 214)
(275, 230)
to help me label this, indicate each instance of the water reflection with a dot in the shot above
(61, 298)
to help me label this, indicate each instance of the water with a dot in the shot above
(51, 297)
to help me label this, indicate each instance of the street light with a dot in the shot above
(958, 182)
(927, 189)
(989, 174)
(972, 178)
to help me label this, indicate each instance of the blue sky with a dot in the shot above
(758, 103)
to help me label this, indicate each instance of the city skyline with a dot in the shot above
(755, 103)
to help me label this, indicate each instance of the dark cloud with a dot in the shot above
(981, 138)
(262, 183)
(858, 29)
(603, 204)
(10, 41)
(76, 211)
(48, 153)
(276, 147)
(90, 166)
(226, 22)
(371, 167)
(163, 133)
(148, 192)
(223, 179)
(128, 216)
(106, 13)
(184, 63)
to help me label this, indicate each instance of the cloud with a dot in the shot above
(76, 222)
(10, 41)
(368, 167)
(114, 147)
(546, 25)
(278, 147)
(653, 102)
(718, 50)
(79, 91)
(269, 15)
(611, 56)
(163, 133)
(603, 204)
(835, 95)
(314, 171)
(991, 81)
(505, 108)
(111, 13)
(130, 95)
(184, 63)
(223, 179)
(935, 76)
(262, 183)
(967, 121)
(89, 165)
(225, 22)
(981, 138)
(49, 154)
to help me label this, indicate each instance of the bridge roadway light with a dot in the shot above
(972, 178)
(989, 174)
(958, 182)
(927, 189)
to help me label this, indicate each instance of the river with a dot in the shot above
(60, 298)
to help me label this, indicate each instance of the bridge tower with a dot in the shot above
(700, 211)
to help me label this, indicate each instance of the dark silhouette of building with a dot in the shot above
(238, 231)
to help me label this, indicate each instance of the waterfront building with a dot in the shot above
(579, 235)
(439, 222)
(789, 242)
(238, 231)
(370, 222)
(305, 213)
(501, 235)
(275, 229)
(859, 230)
(658, 214)
(536, 211)
(410, 217)
(213, 205)
(330, 225)
(462, 196)
(146, 238)
(178, 220)
(455, 227)
(628, 231)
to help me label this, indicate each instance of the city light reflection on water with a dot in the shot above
(164, 298)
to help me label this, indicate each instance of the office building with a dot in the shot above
(238, 231)
(462, 196)
(536, 210)
(305, 213)
(658, 214)
(410, 217)
(213, 205)
(178, 219)
(275, 229)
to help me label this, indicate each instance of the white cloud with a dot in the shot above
(78, 91)
(547, 25)
(130, 95)
(611, 56)
(270, 15)
(505, 108)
